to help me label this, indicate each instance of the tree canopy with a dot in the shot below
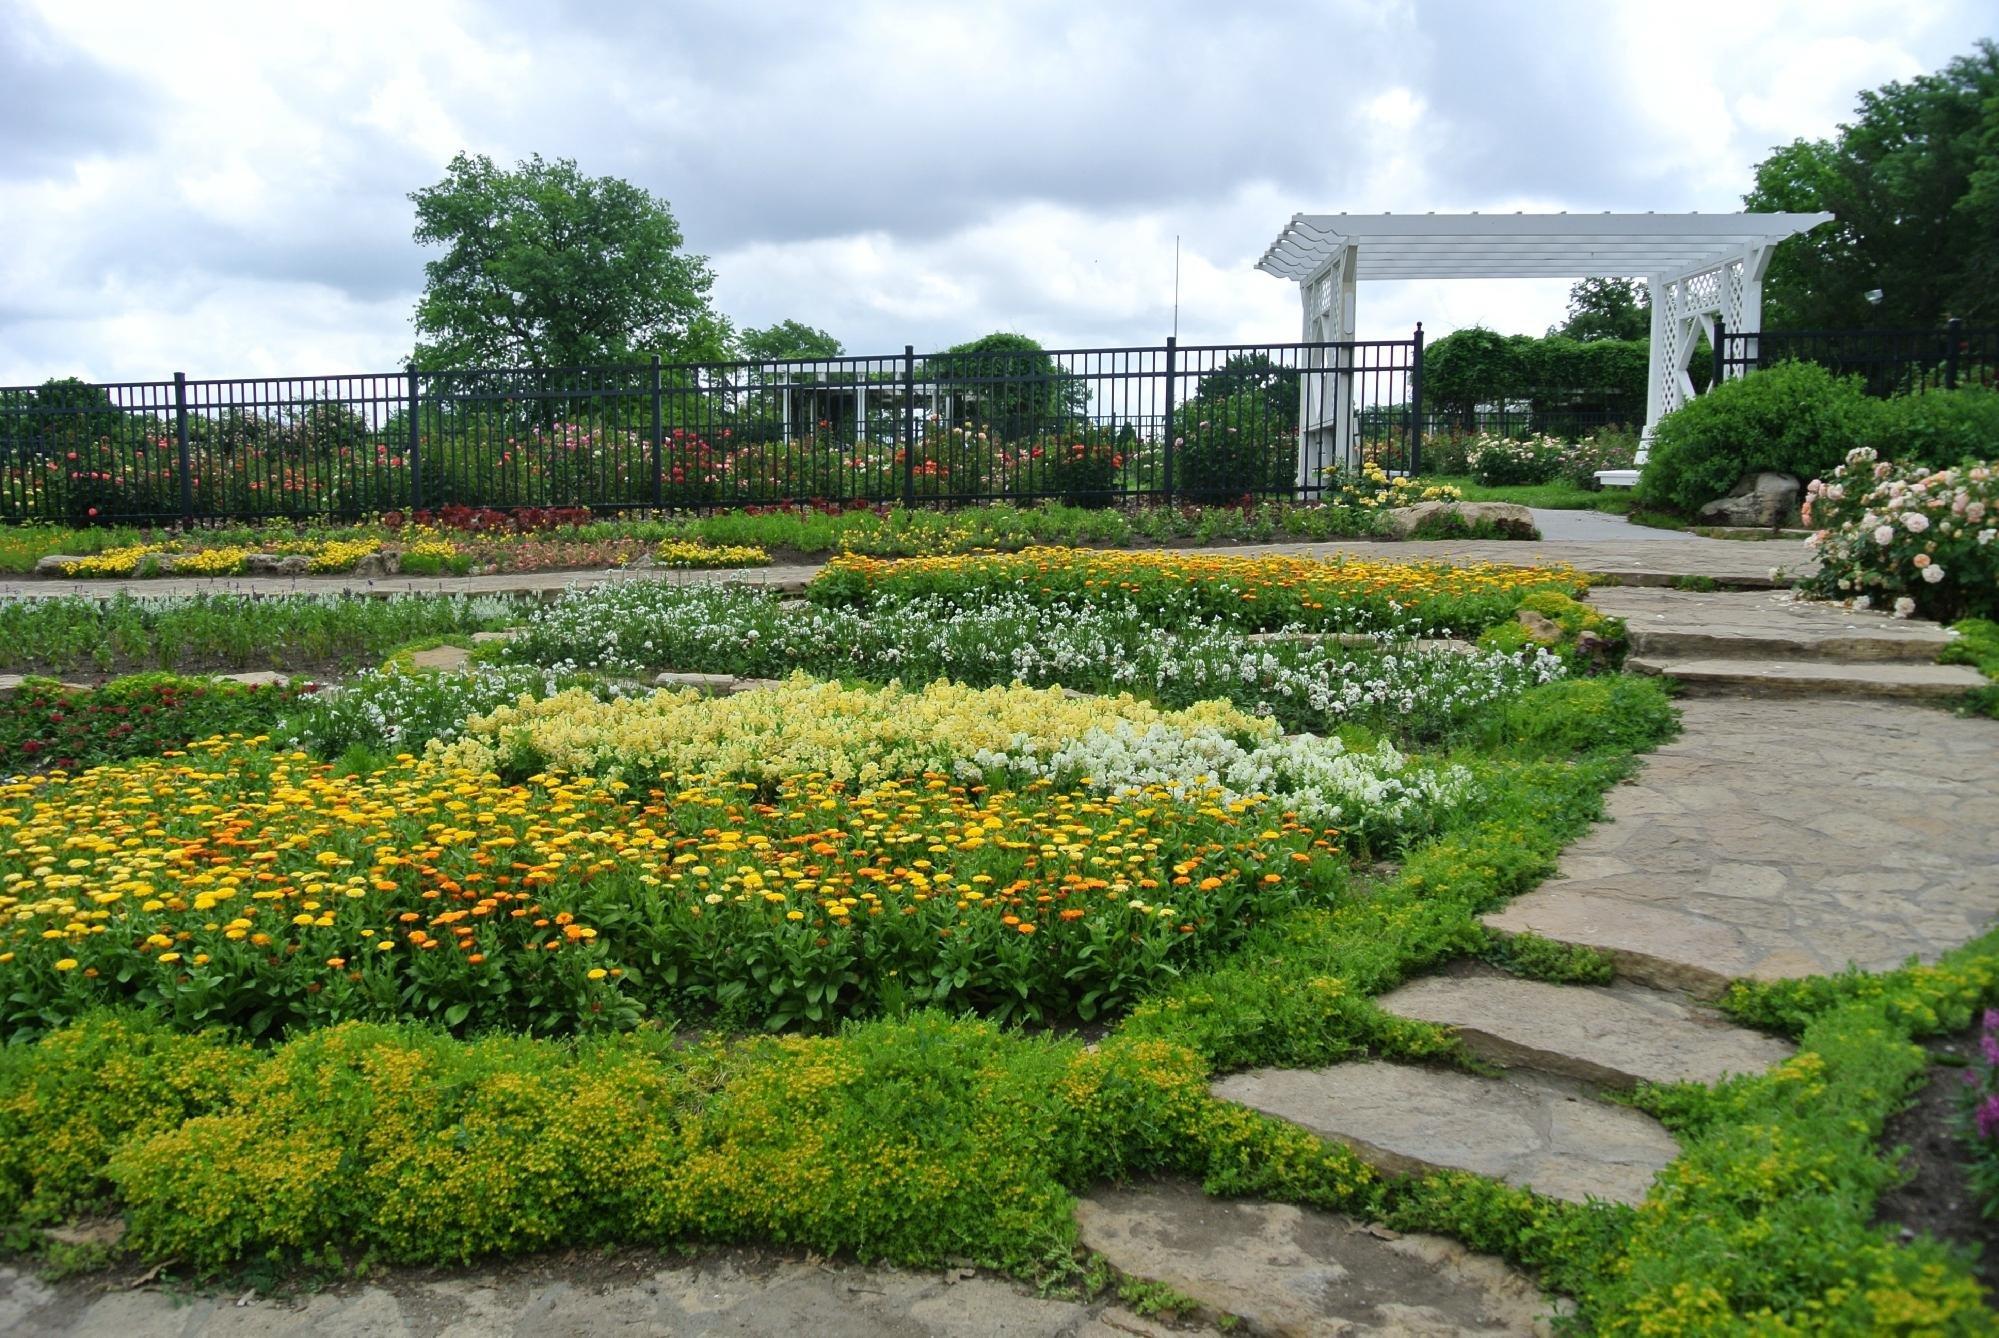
(787, 339)
(1038, 395)
(546, 267)
(1914, 183)
(1607, 309)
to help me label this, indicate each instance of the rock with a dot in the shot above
(96, 1231)
(276, 564)
(55, 564)
(372, 566)
(1617, 1036)
(754, 684)
(1408, 1120)
(504, 634)
(643, 562)
(1540, 627)
(1512, 520)
(1765, 500)
(258, 678)
(712, 685)
(1295, 1270)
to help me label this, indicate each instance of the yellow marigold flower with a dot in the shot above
(66, 964)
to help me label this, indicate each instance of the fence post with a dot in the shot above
(1953, 333)
(909, 425)
(658, 438)
(180, 448)
(1719, 350)
(1416, 403)
(411, 460)
(1172, 372)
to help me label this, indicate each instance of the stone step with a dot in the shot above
(1530, 1131)
(1700, 625)
(1652, 943)
(1814, 678)
(1615, 1036)
(1281, 1269)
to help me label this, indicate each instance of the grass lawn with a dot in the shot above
(1557, 496)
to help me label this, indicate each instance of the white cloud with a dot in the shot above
(223, 188)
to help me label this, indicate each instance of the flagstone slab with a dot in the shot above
(1680, 624)
(1777, 839)
(1289, 1270)
(1534, 1133)
(1815, 678)
(1617, 1036)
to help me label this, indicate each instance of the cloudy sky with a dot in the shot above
(221, 188)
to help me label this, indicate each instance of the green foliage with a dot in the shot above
(227, 632)
(545, 267)
(1240, 446)
(1913, 182)
(1583, 717)
(1467, 368)
(1244, 373)
(1476, 367)
(787, 340)
(1938, 427)
(1765, 1221)
(43, 724)
(1583, 637)
(1794, 418)
(1607, 309)
(1038, 396)
(1977, 645)
(1543, 959)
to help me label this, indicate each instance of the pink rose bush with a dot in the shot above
(1909, 538)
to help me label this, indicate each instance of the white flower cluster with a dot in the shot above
(1009, 638)
(399, 710)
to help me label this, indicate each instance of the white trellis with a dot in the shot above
(1697, 267)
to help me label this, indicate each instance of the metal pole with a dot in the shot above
(411, 460)
(658, 438)
(180, 447)
(1720, 344)
(1953, 332)
(1416, 403)
(1172, 372)
(909, 425)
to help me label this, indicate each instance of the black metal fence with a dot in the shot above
(1888, 362)
(1169, 422)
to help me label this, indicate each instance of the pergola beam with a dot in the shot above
(1698, 267)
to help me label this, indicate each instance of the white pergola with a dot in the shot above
(1697, 266)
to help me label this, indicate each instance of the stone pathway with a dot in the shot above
(586, 1294)
(1778, 839)
(1774, 838)
(1633, 555)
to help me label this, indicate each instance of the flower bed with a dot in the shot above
(1252, 593)
(44, 725)
(1907, 538)
(1007, 634)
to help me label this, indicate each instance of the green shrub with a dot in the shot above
(1942, 427)
(1793, 418)
(1238, 447)
(43, 724)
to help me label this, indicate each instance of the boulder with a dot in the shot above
(1540, 627)
(372, 565)
(1764, 500)
(276, 564)
(1511, 519)
(710, 685)
(55, 564)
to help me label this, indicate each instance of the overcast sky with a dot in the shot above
(221, 188)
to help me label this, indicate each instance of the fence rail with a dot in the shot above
(1167, 422)
(1888, 361)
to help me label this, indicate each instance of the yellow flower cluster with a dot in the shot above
(1374, 490)
(337, 554)
(687, 553)
(431, 547)
(112, 561)
(226, 561)
(805, 727)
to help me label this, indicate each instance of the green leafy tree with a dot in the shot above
(1470, 367)
(1914, 183)
(788, 339)
(1010, 382)
(546, 267)
(1607, 309)
(1275, 383)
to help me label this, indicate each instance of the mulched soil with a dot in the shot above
(1936, 1200)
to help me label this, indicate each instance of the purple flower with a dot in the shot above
(1987, 1118)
